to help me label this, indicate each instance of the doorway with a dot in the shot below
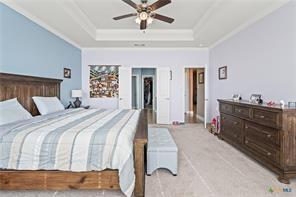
(194, 95)
(147, 93)
(144, 91)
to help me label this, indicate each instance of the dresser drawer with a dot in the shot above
(265, 117)
(231, 128)
(242, 111)
(261, 133)
(231, 121)
(226, 108)
(260, 149)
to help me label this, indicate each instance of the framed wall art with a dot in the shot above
(103, 81)
(67, 73)
(222, 73)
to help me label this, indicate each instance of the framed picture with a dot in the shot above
(201, 78)
(223, 72)
(255, 98)
(67, 73)
(104, 81)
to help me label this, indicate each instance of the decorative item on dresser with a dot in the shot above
(265, 133)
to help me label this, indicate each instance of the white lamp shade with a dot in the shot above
(76, 93)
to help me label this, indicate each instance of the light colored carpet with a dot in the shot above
(208, 167)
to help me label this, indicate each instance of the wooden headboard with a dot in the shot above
(25, 87)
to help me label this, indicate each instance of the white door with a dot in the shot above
(163, 96)
(206, 80)
(125, 88)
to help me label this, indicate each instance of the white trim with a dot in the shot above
(146, 48)
(38, 21)
(276, 5)
(198, 26)
(79, 17)
(138, 90)
(149, 35)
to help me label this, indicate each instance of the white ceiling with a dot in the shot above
(198, 23)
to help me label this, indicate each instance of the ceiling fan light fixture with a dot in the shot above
(143, 16)
(138, 20)
(149, 20)
(145, 13)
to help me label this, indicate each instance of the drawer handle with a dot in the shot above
(268, 153)
(239, 111)
(269, 136)
(235, 122)
(246, 127)
(262, 117)
(247, 141)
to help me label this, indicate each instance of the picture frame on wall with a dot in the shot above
(222, 73)
(67, 73)
(201, 78)
(104, 81)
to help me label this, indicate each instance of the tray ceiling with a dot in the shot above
(198, 23)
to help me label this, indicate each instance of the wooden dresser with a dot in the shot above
(267, 134)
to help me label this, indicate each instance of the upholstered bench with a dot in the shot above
(162, 151)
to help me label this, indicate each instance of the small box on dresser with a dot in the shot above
(267, 134)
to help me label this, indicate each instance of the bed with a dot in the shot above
(91, 177)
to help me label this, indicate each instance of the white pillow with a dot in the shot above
(47, 105)
(11, 110)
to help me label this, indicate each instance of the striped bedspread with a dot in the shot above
(74, 140)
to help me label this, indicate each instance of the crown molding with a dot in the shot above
(39, 22)
(276, 5)
(197, 49)
(200, 23)
(78, 16)
(147, 35)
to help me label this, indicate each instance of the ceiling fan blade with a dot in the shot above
(124, 16)
(163, 18)
(131, 3)
(160, 3)
(143, 25)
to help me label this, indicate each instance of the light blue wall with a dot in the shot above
(28, 49)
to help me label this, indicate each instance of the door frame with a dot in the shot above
(153, 90)
(127, 80)
(138, 90)
(206, 82)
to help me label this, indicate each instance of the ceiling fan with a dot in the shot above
(145, 12)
